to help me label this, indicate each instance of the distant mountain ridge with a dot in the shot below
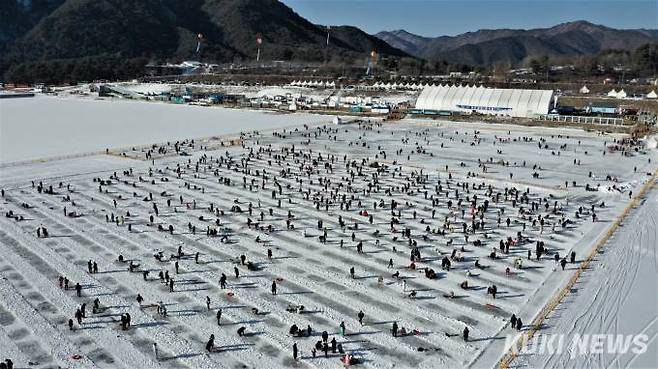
(69, 40)
(166, 30)
(513, 46)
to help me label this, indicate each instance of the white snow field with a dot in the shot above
(616, 297)
(43, 126)
(440, 175)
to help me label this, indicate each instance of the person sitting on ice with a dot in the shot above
(518, 263)
(132, 266)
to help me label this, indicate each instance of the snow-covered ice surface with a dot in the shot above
(616, 297)
(336, 160)
(45, 126)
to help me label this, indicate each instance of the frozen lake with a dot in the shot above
(46, 126)
(327, 254)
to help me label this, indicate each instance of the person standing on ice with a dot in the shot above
(465, 334)
(342, 329)
(219, 316)
(294, 351)
(222, 281)
(237, 272)
(155, 350)
(208, 302)
(361, 315)
(210, 345)
(274, 287)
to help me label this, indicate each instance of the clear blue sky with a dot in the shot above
(443, 17)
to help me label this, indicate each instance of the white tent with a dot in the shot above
(498, 101)
(621, 94)
(612, 93)
(584, 90)
(652, 95)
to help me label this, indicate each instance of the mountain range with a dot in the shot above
(88, 39)
(167, 30)
(513, 46)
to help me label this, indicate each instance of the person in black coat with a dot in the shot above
(211, 343)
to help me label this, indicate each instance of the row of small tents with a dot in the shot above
(313, 84)
(376, 85)
(621, 94)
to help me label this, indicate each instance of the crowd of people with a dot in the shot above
(375, 199)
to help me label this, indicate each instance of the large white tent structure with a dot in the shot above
(483, 100)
